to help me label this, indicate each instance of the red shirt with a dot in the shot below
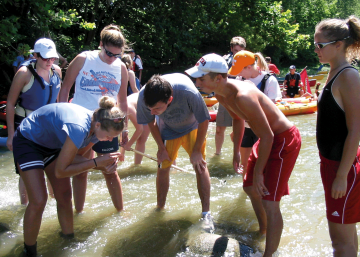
(273, 68)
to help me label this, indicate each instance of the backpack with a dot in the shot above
(263, 82)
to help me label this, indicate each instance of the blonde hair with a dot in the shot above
(107, 113)
(343, 30)
(111, 35)
(261, 62)
(127, 60)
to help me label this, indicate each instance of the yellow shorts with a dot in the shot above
(187, 142)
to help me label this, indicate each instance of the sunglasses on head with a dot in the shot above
(110, 54)
(322, 45)
(47, 59)
(115, 120)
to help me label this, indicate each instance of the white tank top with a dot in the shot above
(96, 79)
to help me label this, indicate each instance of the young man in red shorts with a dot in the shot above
(274, 155)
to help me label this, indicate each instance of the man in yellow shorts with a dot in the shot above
(177, 116)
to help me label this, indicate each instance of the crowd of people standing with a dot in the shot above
(46, 133)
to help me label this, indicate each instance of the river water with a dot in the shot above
(139, 230)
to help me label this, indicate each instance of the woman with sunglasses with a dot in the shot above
(52, 139)
(96, 74)
(35, 84)
(337, 42)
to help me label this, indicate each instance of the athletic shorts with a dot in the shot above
(30, 155)
(223, 118)
(344, 210)
(107, 146)
(284, 152)
(187, 142)
(249, 138)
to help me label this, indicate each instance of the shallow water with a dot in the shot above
(139, 230)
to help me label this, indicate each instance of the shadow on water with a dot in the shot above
(137, 170)
(156, 235)
(219, 168)
(236, 219)
(51, 243)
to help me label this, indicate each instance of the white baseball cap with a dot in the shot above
(46, 48)
(208, 63)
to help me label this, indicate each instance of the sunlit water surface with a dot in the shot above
(139, 230)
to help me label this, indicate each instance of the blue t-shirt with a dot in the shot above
(18, 60)
(50, 125)
(185, 112)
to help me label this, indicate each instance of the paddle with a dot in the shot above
(154, 159)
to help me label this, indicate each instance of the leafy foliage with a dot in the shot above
(168, 34)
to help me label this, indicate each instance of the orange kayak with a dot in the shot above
(210, 101)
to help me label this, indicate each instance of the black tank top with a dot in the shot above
(331, 130)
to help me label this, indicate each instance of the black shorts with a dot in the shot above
(249, 138)
(107, 146)
(30, 155)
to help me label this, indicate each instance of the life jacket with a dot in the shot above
(38, 93)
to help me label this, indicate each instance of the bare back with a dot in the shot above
(244, 100)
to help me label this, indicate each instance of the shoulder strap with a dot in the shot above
(263, 82)
(36, 76)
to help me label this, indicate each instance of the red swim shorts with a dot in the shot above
(345, 210)
(284, 152)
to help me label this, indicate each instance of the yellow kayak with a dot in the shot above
(317, 77)
(297, 108)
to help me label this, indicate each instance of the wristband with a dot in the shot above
(125, 130)
(95, 162)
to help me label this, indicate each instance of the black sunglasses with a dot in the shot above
(110, 54)
(115, 120)
(47, 59)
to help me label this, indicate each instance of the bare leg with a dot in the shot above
(245, 153)
(203, 185)
(62, 193)
(274, 226)
(114, 186)
(22, 192)
(219, 138)
(79, 184)
(140, 144)
(50, 189)
(257, 204)
(342, 237)
(162, 186)
(35, 186)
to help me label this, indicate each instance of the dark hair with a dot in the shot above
(345, 30)
(157, 90)
(268, 59)
(111, 35)
(107, 112)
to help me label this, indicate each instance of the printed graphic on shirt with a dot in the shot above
(175, 116)
(99, 83)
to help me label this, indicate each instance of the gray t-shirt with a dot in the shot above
(183, 115)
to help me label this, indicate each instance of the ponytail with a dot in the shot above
(109, 115)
